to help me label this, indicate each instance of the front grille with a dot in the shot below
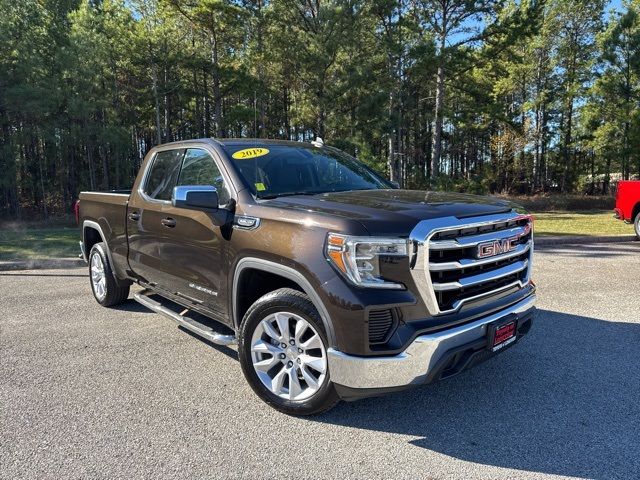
(458, 275)
(380, 323)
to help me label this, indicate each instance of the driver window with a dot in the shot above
(199, 168)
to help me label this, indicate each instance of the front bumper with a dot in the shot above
(429, 357)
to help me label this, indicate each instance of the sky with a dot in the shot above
(617, 4)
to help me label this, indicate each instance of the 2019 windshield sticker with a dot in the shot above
(250, 153)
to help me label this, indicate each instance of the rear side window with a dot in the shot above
(199, 168)
(163, 174)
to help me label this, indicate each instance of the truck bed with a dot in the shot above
(105, 212)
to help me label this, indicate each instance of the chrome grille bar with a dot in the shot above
(472, 262)
(473, 240)
(485, 277)
(457, 304)
(445, 264)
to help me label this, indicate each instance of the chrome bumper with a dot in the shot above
(419, 360)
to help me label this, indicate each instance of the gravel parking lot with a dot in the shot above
(88, 392)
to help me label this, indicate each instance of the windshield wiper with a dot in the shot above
(287, 194)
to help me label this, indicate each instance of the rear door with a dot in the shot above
(178, 249)
(150, 255)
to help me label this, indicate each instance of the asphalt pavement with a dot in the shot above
(89, 392)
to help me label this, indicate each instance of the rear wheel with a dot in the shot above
(105, 289)
(283, 353)
(636, 225)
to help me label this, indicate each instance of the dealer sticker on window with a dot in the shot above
(250, 153)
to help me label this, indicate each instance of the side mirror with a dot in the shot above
(395, 184)
(196, 197)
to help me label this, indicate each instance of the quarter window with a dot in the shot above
(163, 174)
(199, 168)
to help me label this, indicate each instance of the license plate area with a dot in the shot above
(502, 333)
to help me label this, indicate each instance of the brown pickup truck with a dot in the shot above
(334, 283)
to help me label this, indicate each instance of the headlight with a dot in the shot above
(358, 258)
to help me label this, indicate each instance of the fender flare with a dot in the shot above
(290, 274)
(96, 226)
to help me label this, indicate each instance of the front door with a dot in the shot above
(179, 249)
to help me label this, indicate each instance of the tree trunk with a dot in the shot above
(566, 147)
(105, 167)
(207, 106)
(391, 161)
(167, 128)
(156, 100)
(38, 154)
(285, 100)
(436, 150)
(217, 96)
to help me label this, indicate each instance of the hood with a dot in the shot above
(393, 212)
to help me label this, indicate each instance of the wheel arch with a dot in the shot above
(635, 211)
(292, 278)
(91, 234)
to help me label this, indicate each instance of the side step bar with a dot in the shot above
(184, 321)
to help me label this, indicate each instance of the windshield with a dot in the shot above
(280, 170)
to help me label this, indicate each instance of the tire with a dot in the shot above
(285, 376)
(636, 225)
(105, 289)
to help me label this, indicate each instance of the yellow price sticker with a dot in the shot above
(250, 153)
(260, 187)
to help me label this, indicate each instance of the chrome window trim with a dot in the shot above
(421, 236)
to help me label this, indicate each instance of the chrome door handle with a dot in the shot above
(134, 216)
(168, 222)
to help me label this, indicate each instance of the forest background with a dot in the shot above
(514, 97)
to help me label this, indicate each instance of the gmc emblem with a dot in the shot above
(497, 247)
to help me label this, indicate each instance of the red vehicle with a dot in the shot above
(628, 203)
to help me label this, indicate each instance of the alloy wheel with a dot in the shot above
(98, 277)
(288, 356)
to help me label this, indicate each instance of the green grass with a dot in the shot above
(591, 223)
(18, 244)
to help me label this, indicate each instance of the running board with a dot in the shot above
(181, 319)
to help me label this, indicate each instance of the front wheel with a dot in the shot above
(283, 353)
(636, 225)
